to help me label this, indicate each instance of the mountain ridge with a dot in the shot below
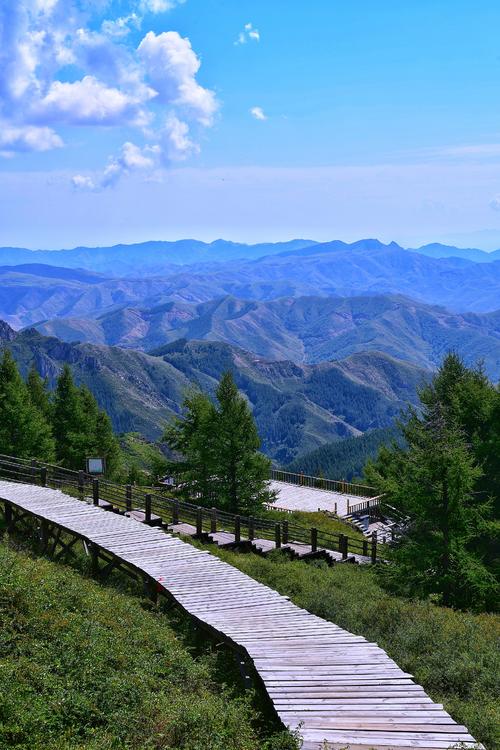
(304, 329)
(297, 407)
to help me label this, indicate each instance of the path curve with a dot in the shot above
(333, 685)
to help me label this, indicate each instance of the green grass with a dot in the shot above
(320, 521)
(88, 667)
(454, 655)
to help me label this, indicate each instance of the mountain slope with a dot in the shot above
(297, 407)
(307, 329)
(345, 459)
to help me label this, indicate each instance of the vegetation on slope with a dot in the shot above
(453, 655)
(83, 667)
(344, 459)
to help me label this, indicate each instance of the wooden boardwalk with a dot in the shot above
(334, 686)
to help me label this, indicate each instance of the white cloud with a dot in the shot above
(248, 34)
(171, 66)
(176, 143)
(152, 87)
(258, 113)
(88, 102)
(121, 26)
(28, 138)
(131, 159)
(495, 203)
(159, 6)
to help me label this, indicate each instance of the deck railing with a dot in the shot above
(163, 506)
(321, 483)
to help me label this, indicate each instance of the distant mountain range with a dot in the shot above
(306, 329)
(297, 407)
(33, 293)
(146, 258)
(157, 257)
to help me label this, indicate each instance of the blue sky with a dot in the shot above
(157, 119)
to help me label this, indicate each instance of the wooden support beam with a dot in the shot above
(95, 491)
(285, 532)
(314, 540)
(277, 535)
(128, 498)
(237, 529)
(213, 520)
(199, 521)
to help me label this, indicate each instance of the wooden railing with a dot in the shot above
(168, 509)
(321, 483)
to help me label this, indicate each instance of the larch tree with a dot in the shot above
(24, 430)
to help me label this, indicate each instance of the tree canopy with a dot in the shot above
(218, 448)
(445, 483)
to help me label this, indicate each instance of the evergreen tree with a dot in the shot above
(39, 393)
(70, 424)
(107, 445)
(191, 437)
(437, 482)
(242, 472)
(24, 430)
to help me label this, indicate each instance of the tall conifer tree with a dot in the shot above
(24, 430)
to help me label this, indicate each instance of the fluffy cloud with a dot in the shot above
(258, 113)
(63, 64)
(495, 203)
(89, 102)
(248, 34)
(131, 159)
(171, 66)
(27, 138)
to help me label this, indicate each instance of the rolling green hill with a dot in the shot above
(297, 407)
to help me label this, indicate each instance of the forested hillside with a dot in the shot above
(297, 407)
(305, 329)
(344, 459)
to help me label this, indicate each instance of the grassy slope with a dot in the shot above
(454, 655)
(83, 667)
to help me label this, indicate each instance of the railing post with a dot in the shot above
(95, 491)
(213, 521)
(33, 468)
(128, 498)
(285, 532)
(345, 546)
(175, 513)
(365, 547)
(43, 476)
(237, 529)
(251, 529)
(81, 489)
(147, 509)
(374, 547)
(8, 515)
(314, 540)
(199, 521)
(277, 535)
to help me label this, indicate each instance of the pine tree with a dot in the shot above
(242, 472)
(70, 422)
(191, 438)
(107, 445)
(39, 393)
(24, 430)
(436, 482)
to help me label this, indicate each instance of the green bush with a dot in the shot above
(83, 667)
(453, 655)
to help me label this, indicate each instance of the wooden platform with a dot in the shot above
(333, 685)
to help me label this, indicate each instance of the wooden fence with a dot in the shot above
(320, 483)
(161, 506)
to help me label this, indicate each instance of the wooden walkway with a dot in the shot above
(334, 686)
